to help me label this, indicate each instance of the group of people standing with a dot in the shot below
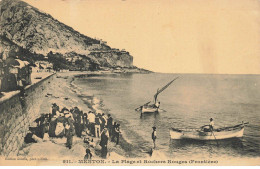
(100, 125)
(67, 123)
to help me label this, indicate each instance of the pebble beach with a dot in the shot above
(62, 92)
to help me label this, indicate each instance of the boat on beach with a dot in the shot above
(206, 134)
(153, 108)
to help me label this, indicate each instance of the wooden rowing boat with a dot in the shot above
(202, 134)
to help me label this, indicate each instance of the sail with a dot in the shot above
(162, 89)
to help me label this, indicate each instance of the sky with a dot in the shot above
(171, 36)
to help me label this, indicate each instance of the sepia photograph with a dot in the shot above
(129, 83)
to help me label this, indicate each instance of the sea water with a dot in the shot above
(189, 102)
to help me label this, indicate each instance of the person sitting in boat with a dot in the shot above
(208, 128)
(156, 105)
(211, 124)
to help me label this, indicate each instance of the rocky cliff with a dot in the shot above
(38, 32)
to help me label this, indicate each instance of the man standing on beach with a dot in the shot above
(154, 136)
(91, 119)
(54, 109)
(97, 125)
(103, 121)
(117, 133)
(109, 124)
(103, 143)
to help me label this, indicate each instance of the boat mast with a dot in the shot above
(162, 89)
(155, 96)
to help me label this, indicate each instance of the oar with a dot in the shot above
(214, 136)
(162, 110)
(245, 123)
(138, 108)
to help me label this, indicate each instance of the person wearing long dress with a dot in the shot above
(79, 124)
(60, 131)
(52, 127)
(69, 135)
(113, 132)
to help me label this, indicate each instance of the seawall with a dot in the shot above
(16, 115)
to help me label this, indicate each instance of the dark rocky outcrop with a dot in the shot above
(28, 28)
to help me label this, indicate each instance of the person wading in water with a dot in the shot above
(154, 136)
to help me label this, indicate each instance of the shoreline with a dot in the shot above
(97, 105)
(63, 92)
(69, 94)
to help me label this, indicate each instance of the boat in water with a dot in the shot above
(152, 108)
(206, 134)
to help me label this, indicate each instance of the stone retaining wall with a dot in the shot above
(16, 115)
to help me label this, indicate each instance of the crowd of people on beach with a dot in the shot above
(66, 122)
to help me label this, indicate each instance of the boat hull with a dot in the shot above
(149, 110)
(199, 135)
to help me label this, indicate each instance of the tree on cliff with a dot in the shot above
(93, 66)
(59, 62)
(80, 64)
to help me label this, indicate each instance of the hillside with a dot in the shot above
(25, 27)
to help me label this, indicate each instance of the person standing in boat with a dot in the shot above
(154, 136)
(157, 105)
(211, 124)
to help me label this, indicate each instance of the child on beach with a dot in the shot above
(88, 154)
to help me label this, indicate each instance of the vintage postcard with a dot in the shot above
(129, 83)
